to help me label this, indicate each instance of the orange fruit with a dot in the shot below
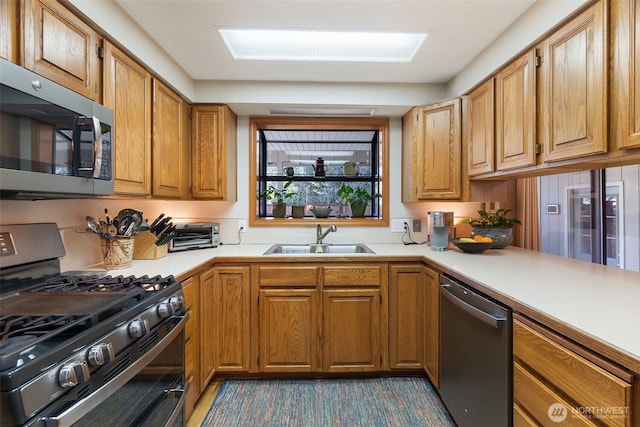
(478, 238)
(487, 239)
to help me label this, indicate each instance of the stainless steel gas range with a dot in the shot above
(85, 350)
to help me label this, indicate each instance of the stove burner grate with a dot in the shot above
(105, 284)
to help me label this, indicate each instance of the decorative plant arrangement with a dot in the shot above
(278, 198)
(358, 198)
(497, 219)
(495, 225)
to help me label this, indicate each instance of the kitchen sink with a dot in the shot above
(325, 248)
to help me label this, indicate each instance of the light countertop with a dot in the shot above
(598, 302)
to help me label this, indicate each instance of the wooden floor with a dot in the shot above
(204, 403)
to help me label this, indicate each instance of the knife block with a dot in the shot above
(145, 247)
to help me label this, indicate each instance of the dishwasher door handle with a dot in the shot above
(489, 319)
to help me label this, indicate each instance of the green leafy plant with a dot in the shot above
(497, 219)
(348, 195)
(276, 195)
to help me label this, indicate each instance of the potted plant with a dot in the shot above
(495, 225)
(278, 198)
(298, 200)
(357, 198)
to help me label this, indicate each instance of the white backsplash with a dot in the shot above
(83, 249)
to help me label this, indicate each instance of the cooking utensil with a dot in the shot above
(93, 224)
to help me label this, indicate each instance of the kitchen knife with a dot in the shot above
(156, 221)
(166, 235)
(160, 226)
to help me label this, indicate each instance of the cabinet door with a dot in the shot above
(171, 143)
(625, 75)
(480, 129)
(191, 292)
(351, 330)
(9, 30)
(438, 153)
(127, 90)
(214, 153)
(431, 288)
(406, 311)
(574, 98)
(230, 311)
(207, 328)
(289, 333)
(59, 46)
(516, 114)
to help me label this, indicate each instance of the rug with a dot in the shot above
(345, 402)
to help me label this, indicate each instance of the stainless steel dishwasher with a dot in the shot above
(475, 356)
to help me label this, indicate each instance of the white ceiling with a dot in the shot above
(458, 31)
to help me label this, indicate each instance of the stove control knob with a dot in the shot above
(72, 374)
(176, 303)
(100, 354)
(138, 328)
(165, 310)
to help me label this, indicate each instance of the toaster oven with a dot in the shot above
(196, 235)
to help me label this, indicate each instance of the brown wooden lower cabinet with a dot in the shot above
(407, 309)
(351, 329)
(289, 339)
(191, 291)
(229, 307)
(553, 382)
(431, 289)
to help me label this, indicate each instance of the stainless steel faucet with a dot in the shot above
(320, 235)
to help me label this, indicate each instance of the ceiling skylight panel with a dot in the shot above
(322, 45)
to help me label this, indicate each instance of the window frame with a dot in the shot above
(319, 123)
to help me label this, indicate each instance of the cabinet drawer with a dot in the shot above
(352, 275)
(581, 380)
(521, 419)
(288, 275)
(536, 398)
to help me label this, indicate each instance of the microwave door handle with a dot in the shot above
(97, 147)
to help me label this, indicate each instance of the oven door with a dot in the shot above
(148, 392)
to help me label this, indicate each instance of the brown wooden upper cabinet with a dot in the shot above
(516, 114)
(58, 45)
(480, 129)
(127, 91)
(432, 152)
(625, 78)
(171, 142)
(573, 87)
(9, 30)
(213, 153)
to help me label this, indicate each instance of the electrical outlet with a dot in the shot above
(242, 225)
(397, 225)
(417, 226)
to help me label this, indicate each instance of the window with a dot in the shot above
(312, 158)
(593, 220)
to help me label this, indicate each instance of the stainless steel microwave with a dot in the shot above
(54, 143)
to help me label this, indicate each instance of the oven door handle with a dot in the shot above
(179, 407)
(86, 405)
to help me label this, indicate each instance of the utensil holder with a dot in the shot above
(117, 252)
(146, 248)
